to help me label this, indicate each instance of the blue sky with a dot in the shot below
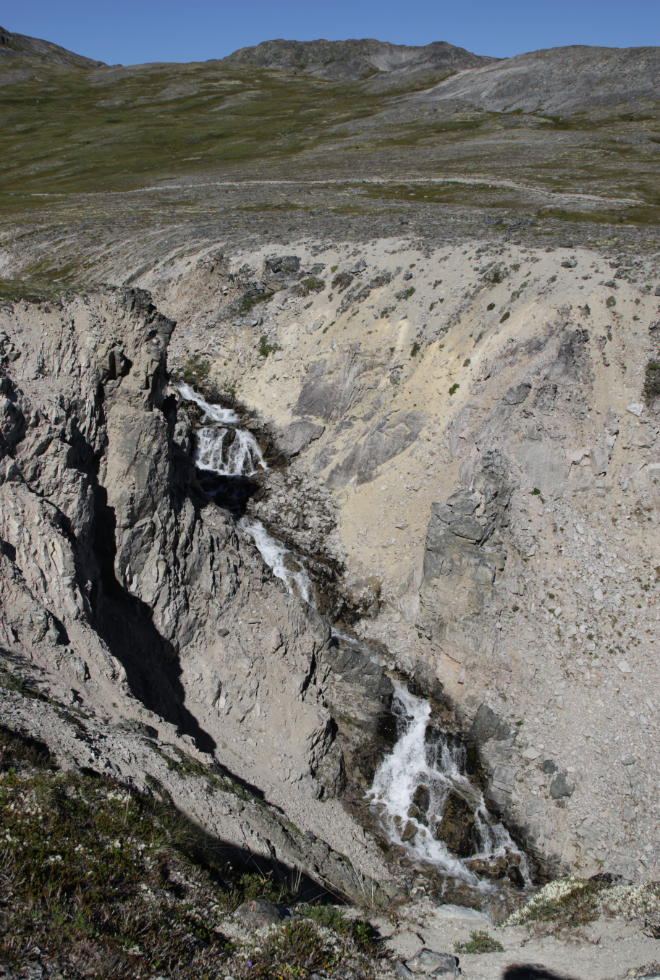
(135, 31)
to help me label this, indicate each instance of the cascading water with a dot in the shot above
(226, 450)
(413, 786)
(280, 559)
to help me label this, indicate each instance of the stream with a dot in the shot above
(422, 796)
(425, 800)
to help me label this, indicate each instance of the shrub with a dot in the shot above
(295, 950)
(497, 273)
(251, 300)
(491, 306)
(311, 284)
(342, 281)
(196, 370)
(505, 316)
(610, 301)
(479, 942)
(454, 388)
(414, 350)
(265, 348)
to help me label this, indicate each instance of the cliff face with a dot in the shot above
(485, 426)
(124, 591)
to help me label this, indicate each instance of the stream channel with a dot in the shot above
(424, 802)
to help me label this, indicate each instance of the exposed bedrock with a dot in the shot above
(125, 591)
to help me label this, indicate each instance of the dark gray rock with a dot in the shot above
(469, 529)
(517, 394)
(561, 787)
(463, 503)
(257, 913)
(297, 436)
(549, 767)
(486, 725)
(428, 961)
(572, 362)
(282, 265)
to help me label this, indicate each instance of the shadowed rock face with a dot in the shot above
(139, 578)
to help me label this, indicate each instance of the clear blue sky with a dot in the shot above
(135, 31)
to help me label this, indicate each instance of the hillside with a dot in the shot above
(330, 513)
(15, 48)
(559, 80)
(353, 60)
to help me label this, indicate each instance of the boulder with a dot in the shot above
(456, 826)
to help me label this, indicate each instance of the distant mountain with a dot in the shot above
(18, 47)
(351, 60)
(557, 80)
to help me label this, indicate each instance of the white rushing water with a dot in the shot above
(437, 767)
(280, 559)
(215, 413)
(226, 449)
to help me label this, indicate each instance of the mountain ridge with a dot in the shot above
(20, 46)
(353, 58)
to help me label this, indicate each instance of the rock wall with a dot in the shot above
(131, 596)
(490, 452)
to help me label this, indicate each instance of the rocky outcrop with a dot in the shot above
(131, 592)
(464, 556)
(558, 80)
(354, 59)
(360, 695)
(386, 438)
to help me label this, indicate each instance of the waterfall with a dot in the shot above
(412, 787)
(214, 412)
(280, 559)
(226, 449)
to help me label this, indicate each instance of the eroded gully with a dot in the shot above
(425, 805)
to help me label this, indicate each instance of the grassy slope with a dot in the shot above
(98, 881)
(80, 150)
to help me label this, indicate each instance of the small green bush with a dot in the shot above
(294, 951)
(495, 274)
(454, 388)
(505, 316)
(467, 362)
(312, 284)
(327, 915)
(652, 382)
(480, 942)
(610, 302)
(248, 302)
(491, 306)
(196, 370)
(414, 350)
(265, 348)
